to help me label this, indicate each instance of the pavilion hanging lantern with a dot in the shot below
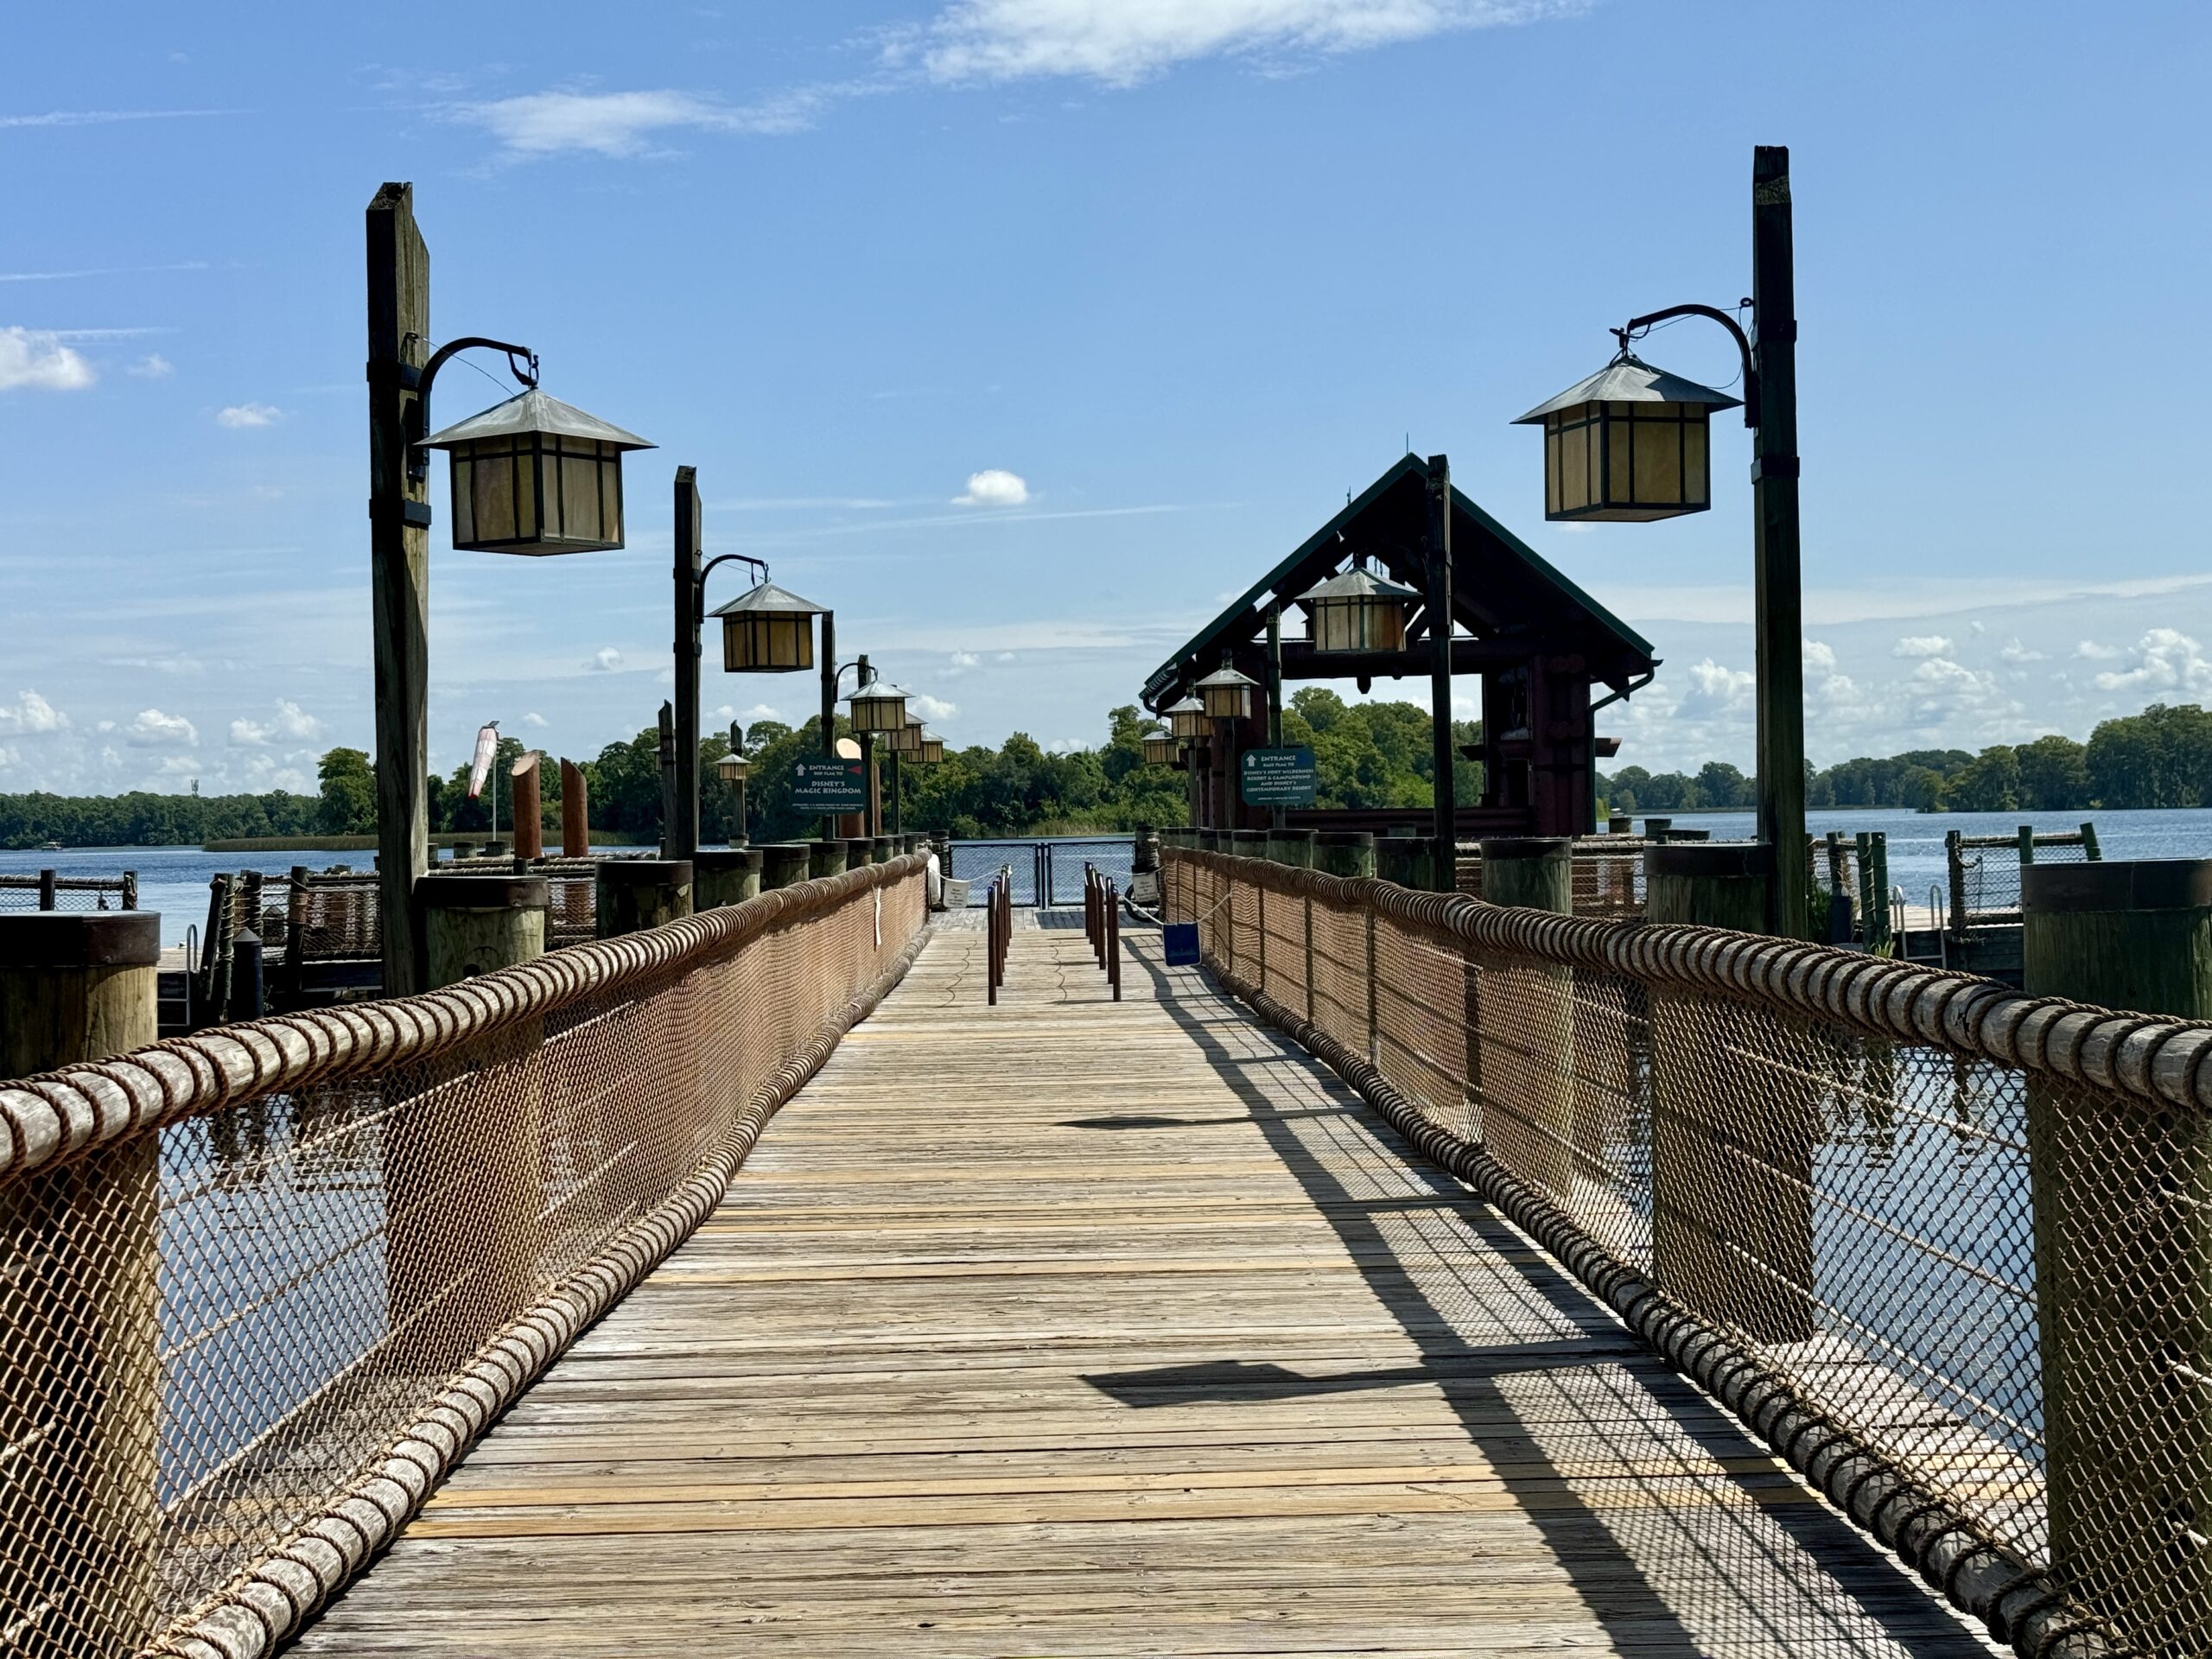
(1161, 748)
(534, 476)
(879, 708)
(1629, 444)
(1186, 718)
(1227, 695)
(1358, 610)
(768, 631)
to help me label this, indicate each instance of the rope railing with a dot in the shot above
(260, 1287)
(1943, 1245)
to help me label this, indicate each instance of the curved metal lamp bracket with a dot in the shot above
(1639, 326)
(522, 362)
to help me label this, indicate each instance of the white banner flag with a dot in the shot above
(487, 747)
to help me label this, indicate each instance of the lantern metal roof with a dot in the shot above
(769, 599)
(533, 411)
(1189, 705)
(1628, 380)
(1358, 582)
(1225, 676)
(877, 691)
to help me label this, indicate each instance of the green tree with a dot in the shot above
(348, 802)
(1990, 783)
(2054, 774)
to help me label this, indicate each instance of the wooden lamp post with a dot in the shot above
(1631, 443)
(732, 769)
(532, 476)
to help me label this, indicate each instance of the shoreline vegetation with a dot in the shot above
(1368, 755)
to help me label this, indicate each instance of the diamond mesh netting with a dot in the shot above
(259, 1287)
(1948, 1246)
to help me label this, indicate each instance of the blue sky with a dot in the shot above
(1172, 276)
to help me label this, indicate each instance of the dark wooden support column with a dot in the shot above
(1277, 818)
(1443, 858)
(1779, 597)
(399, 577)
(682, 838)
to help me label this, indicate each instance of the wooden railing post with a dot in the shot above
(78, 1423)
(2123, 1250)
(1734, 1117)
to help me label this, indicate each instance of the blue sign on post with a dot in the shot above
(1277, 777)
(820, 786)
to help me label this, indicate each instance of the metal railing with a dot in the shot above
(50, 890)
(1985, 871)
(1101, 924)
(260, 1287)
(1944, 1245)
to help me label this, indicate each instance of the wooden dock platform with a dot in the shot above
(1067, 1327)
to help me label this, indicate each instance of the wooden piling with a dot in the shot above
(726, 877)
(1734, 1117)
(784, 863)
(575, 812)
(79, 1427)
(530, 824)
(826, 857)
(2127, 1416)
(636, 893)
(473, 924)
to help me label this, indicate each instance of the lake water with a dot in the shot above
(174, 880)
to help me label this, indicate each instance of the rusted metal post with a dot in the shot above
(575, 811)
(529, 820)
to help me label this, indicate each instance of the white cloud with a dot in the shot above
(37, 359)
(292, 723)
(1123, 42)
(965, 659)
(152, 367)
(102, 118)
(930, 707)
(622, 125)
(2090, 651)
(2166, 659)
(994, 488)
(2014, 652)
(605, 660)
(1922, 644)
(31, 713)
(153, 729)
(1820, 659)
(1714, 689)
(535, 720)
(1006, 657)
(241, 417)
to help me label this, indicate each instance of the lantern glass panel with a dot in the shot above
(1624, 462)
(1187, 718)
(1159, 749)
(879, 709)
(1227, 701)
(733, 768)
(933, 749)
(537, 493)
(766, 642)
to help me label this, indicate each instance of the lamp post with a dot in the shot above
(878, 709)
(1225, 697)
(732, 768)
(531, 476)
(1629, 443)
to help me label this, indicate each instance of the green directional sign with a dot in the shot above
(1277, 777)
(819, 787)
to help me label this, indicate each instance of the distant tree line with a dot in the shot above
(2160, 758)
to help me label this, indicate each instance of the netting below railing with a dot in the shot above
(258, 1287)
(1830, 1165)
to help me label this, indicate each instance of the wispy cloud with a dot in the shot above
(152, 367)
(98, 271)
(239, 417)
(291, 722)
(37, 359)
(626, 125)
(1121, 42)
(106, 117)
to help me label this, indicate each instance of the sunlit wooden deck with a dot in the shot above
(1067, 1327)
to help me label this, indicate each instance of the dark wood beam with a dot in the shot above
(1301, 662)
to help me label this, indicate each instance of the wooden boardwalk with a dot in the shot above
(1067, 1328)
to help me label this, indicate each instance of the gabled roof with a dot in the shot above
(1501, 586)
(531, 410)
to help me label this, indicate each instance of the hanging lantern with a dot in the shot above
(1227, 695)
(1161, 748)
(1358, 610)
(878, 707)
(767, 631)
(535, 475)
(733, 768)
(907, 740)
(1629, 444)
(1186, 718)
(932, 749)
